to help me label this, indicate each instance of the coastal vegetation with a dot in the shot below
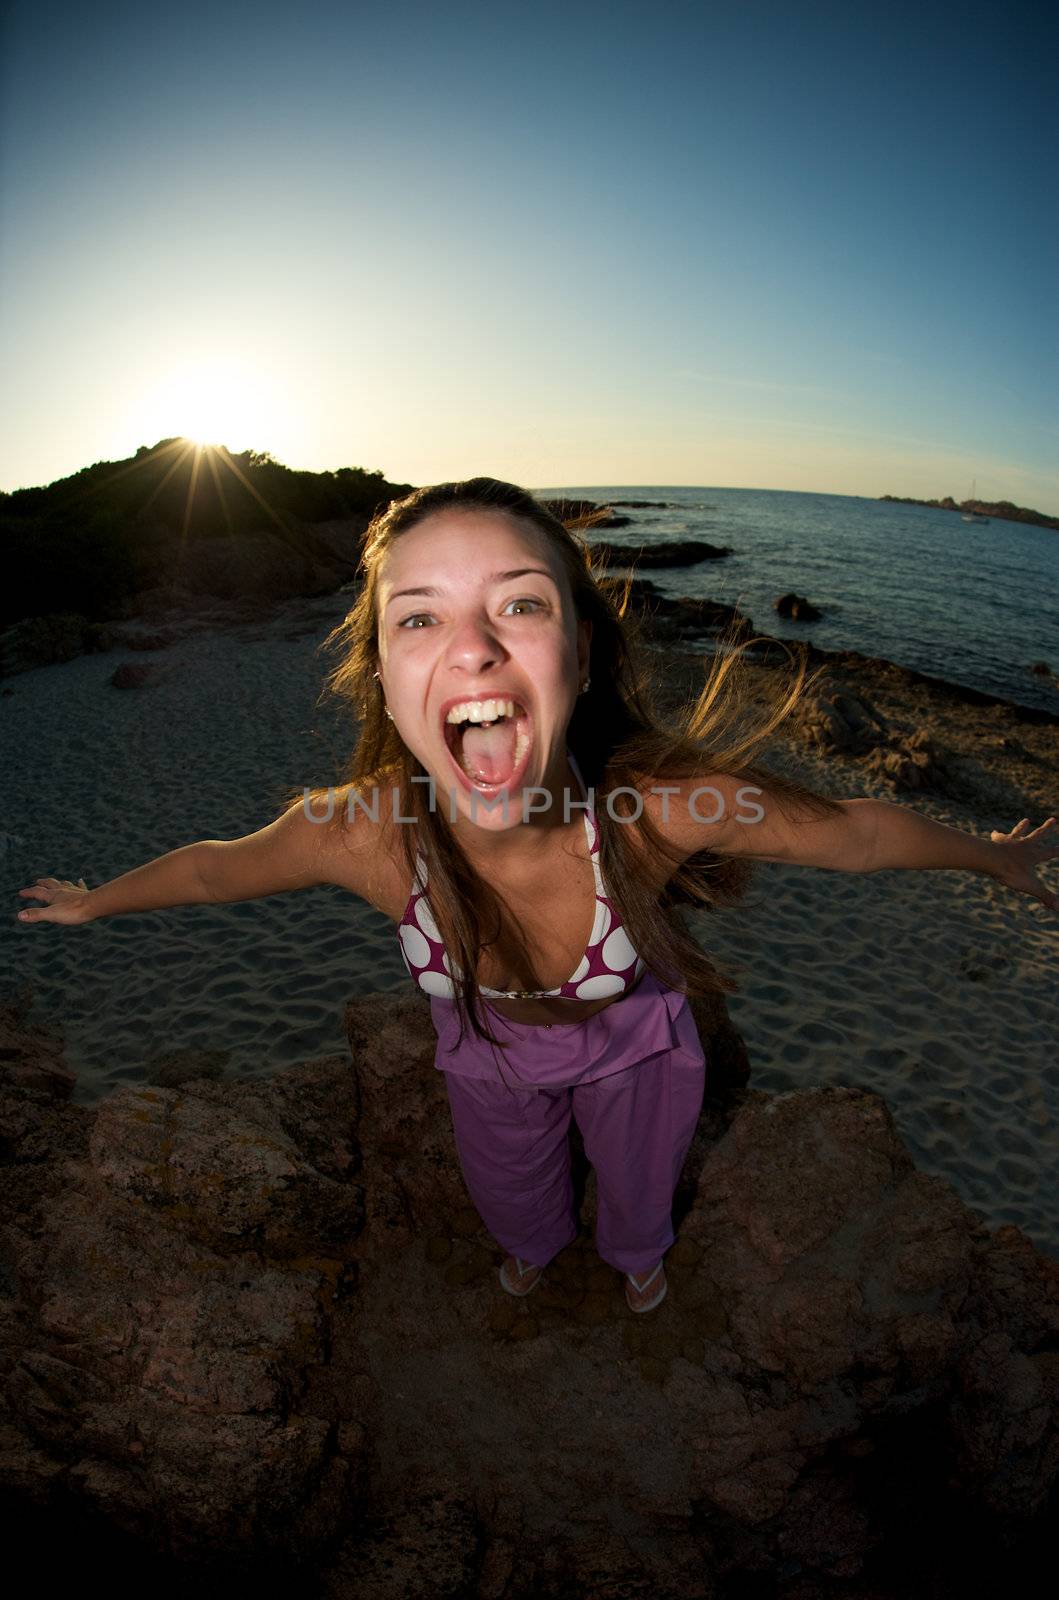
(91, 541)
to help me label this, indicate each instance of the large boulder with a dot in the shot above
(261, 1320)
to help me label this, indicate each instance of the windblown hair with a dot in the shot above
(619, 739)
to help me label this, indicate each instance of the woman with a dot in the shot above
(520, 809)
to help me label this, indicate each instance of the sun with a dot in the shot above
(211, 402)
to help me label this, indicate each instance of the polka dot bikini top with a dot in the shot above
(609, 966)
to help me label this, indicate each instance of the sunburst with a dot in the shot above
(211, 401)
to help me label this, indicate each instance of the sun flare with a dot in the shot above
(212, 402)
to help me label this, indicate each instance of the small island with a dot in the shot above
(984, 508)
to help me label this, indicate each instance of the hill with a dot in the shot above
(92, 542)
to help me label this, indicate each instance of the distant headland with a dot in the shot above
(985, 508)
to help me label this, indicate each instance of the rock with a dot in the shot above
(171, 1068)
(1006, 744)
(31, 1057)
(131, 675)
(181, 1266)
(40, 641)
(227, 1333)
(913, 761)
(423, 1546)
(128, 639)
(797, 607)
(835, 719)
(664, 553)
(674, 620)
(569, 510)
(1041, 668)
(268, 565)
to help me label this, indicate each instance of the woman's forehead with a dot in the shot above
(472, 541)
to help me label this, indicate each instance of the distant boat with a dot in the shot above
(973, 516)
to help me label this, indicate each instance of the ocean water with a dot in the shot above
(975, 604)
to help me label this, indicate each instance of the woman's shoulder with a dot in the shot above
(694, 809)
(359, 831)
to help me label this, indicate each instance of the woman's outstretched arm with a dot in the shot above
(293, 852)
(717, 812)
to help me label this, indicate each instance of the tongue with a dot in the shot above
(488, 754)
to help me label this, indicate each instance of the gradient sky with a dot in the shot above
(793, 246)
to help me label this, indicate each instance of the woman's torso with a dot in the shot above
(556, 904)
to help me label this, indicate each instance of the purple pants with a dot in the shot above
(637, 1115)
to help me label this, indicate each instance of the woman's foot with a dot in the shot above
(518, 1276)
(645, 1290)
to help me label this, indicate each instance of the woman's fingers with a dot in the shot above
(1019, 830)
(63, 900)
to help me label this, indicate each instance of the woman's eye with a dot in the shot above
(524, 600)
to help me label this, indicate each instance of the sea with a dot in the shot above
(976, 604)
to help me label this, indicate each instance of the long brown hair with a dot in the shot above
(619, 739)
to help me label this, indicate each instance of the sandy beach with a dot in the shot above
(936, 989)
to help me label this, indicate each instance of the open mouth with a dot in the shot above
(490, 742)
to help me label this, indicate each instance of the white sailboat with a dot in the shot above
(973, 516)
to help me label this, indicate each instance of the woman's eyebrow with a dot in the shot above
(494, 577)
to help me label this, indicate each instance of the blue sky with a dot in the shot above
(761, 245)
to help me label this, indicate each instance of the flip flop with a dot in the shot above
(522, 1268)
(641, 1286)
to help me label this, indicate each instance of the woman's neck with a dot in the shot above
(517, 848)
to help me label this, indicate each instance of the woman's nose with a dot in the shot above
(474, 644)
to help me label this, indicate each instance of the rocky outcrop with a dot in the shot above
(834, 719)
(40, 641)
(1003, 509)
(267, 566)
(669, 621)
(569, 510)
(247, 1320)
(664, 553)
(246, 576)
(915, 760)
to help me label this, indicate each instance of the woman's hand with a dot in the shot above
(1019, 854)
(64, 901)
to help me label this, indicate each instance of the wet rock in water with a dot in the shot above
(796, 607)
(663, 553)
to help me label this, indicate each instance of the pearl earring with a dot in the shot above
(585, 685)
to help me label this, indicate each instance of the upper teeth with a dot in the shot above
(481, 710)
